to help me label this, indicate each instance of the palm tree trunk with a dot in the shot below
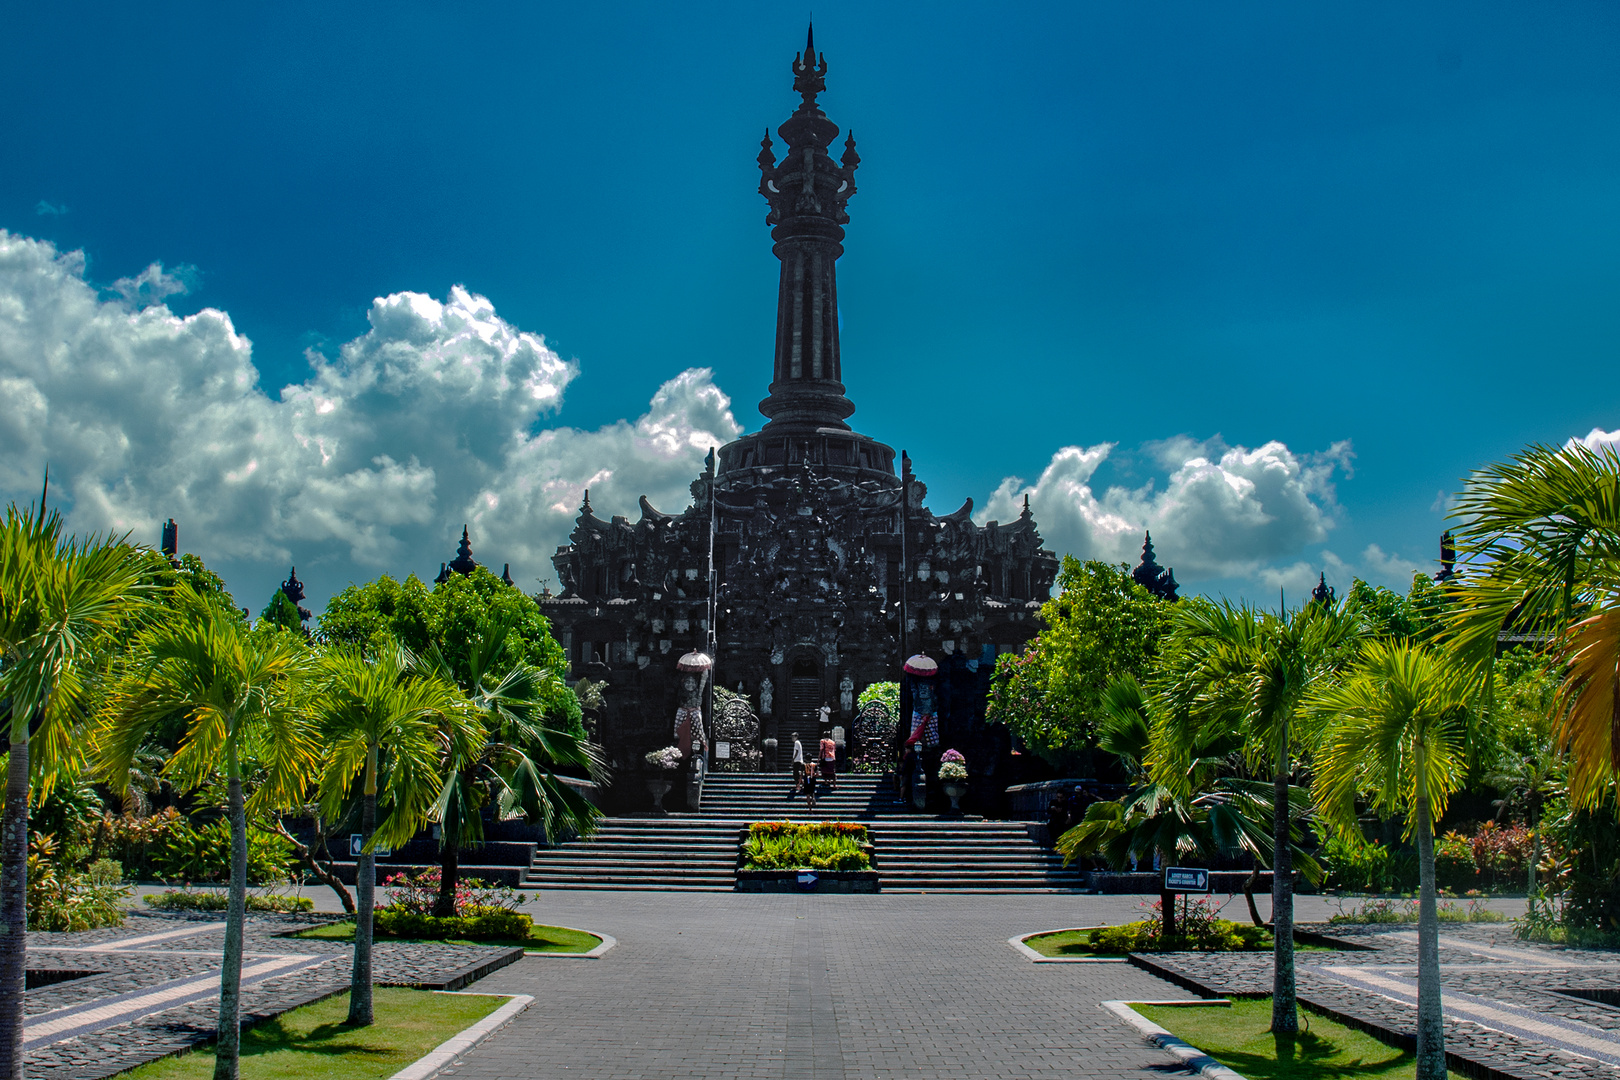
(1167, 913)
(1284, 1014)
(1248, 895)
(228, 1048)
(366, 897)
(1431, 1033)
(449, 872)
(14, 908)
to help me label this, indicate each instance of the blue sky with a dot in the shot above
(1380, 240)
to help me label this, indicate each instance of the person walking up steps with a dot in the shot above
(798, 765)
(829, 762)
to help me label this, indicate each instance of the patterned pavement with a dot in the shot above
(769, 986)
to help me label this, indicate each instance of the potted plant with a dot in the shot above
(663, 762)
(953, 776)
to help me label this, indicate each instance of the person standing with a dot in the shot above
(828, 765)
(798, 765)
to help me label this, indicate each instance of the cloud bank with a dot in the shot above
(423, 422)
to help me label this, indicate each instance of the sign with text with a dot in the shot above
(355, 845)
(1186, 879)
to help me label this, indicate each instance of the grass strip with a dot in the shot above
(541, 938)
(1076, 943)
(1238, 1036)
(313, 1042)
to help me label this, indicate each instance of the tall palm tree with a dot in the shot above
(1540, 552)
(239, 693)
(387, 725)
(513, 766)
(60, 597)
(1395, 732)
(1252, 669)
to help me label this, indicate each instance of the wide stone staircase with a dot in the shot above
(915, 852)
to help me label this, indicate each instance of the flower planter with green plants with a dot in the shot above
(832, 856)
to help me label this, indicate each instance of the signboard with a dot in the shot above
(1185, 879)
(355, 845)
(722, 750)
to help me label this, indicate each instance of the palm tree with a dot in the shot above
(239, 695)
(1395, 732)
(60, 598)
(1252, 670)
(1540, 552)
(514, 763)
(1202, 811)
(386, 725)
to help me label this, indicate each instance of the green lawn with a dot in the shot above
(1074, 943)
(312, 1043)
(541, 938)
(1238, 1038)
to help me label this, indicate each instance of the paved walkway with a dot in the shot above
(783, 987)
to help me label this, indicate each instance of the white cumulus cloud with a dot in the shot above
(423, 422)
(1597, 438)
(1218, 510)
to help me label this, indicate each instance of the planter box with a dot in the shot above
(827, 881)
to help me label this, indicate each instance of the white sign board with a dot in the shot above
(355, 844)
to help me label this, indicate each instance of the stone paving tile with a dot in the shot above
(1478, 961)
(150, 965)
(726, 985)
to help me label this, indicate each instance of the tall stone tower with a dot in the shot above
(805, 561)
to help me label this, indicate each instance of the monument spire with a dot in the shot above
(807, 191)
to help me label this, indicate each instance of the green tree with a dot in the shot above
(1395, 732)
(61, 597)
(514, 765)
(1540, 552)
(386, 724)
(1252, 669)
(1386, 615)
(1099, 626)
(281, 613)
(448, 618)
(239, 695)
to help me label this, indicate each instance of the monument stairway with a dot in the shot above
(915, 852)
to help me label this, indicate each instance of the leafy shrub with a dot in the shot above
(173, 900)
(105, 872)
(168, 847)
(478, 924)
(1355, 863)
(1502, 856)
(418, 893)
(1453, 861)
(1198, 931)
(886, 694)
(61, 901)
(820, 845)
(1406, 911)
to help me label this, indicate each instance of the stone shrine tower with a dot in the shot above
(805, 565)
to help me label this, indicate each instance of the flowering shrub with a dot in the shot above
(1406, 911)
(174, 900)
(483, 924)
(417, 893)
(819, 845)
(1197, 926)
(953, 771)
(1502, 856)
(667, 758)
(1453, 861)
(953, 755)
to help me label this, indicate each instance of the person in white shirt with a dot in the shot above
(798, 765)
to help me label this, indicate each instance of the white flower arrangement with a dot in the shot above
(953, 771)
(667, 758)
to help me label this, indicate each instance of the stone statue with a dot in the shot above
(846, 694)
(766, 690)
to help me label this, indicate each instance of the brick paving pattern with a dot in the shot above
(784, 987)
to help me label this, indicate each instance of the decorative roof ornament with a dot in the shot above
(293, 590)
(1448, 557)
(1323, 593)
(444, 575)
(171, 541)
(506, 574)
(464, 563)
(1159, 581)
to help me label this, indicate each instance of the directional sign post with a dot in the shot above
(1186, 879)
